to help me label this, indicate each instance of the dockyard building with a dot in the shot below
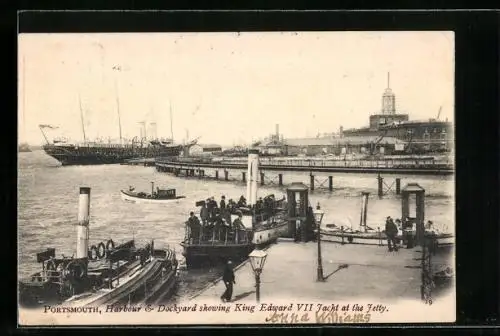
(207, 149)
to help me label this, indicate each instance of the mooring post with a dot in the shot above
(216, 174)
(398, 186)
(261, 178)
(380, 185)
(330, 183)
(243, 176)
(226, 175)
(312, 182)
(280, 180)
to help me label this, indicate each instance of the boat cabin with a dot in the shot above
(165, 193)
(233, 225)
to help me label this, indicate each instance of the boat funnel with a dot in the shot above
(82, 243)
(364, 210)
(253, 171)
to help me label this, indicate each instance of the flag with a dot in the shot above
(47, 126)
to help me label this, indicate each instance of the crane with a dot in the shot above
(439, 112)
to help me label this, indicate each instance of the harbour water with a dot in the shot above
(48, 203)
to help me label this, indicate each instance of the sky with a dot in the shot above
(228, 88)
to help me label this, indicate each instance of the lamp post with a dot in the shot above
(257, 260)
(318, 217)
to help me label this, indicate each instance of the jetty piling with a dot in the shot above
(226, 175)
(280, 180)
(311, 178)
(330, 183)
(262, 177)
(380, 180)
(398, 186)
(216, 174)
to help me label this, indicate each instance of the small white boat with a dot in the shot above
(159, 196)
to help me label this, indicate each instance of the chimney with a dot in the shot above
(252, 173)
(152, 130)
(82, 242)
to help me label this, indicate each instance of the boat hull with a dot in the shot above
(132, 199)
(141, 283)
(112, 154)
(375, 238)
(264, 236)
(199, 255)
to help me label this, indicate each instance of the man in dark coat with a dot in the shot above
(229, 280)
(223, 203)
(391, 231)
(204, 214)
(195, 226)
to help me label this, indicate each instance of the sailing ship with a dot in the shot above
(234, 232)
(158, 196)
(102, 274)
(95, 153)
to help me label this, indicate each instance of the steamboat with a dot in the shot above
(234, 231)
(160, 196)
(102, 274)
(98, 152)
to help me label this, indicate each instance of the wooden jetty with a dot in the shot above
(417, 166)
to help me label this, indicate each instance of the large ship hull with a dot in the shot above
(112, 154)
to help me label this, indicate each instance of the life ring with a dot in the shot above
(93, 253)
(101, 250)
(110, 245)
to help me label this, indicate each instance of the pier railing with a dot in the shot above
(423, 163)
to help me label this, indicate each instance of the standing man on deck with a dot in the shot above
(229, 280)
(204, 214)
(238, 226)
(391, 230)
(223, 203)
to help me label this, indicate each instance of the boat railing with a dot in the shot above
(217, 235)
(427, 162)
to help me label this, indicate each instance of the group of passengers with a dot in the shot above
(408, 228)
(216, 222)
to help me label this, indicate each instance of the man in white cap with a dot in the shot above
(229, 280)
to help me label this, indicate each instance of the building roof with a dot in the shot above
(354, 140)
(208, 146)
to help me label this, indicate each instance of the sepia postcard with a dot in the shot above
(236, 178)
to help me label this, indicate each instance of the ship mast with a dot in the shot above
(118, 111)
(171, 124)
(81, 117)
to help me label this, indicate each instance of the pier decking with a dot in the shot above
(351, 271)
(402, 167)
